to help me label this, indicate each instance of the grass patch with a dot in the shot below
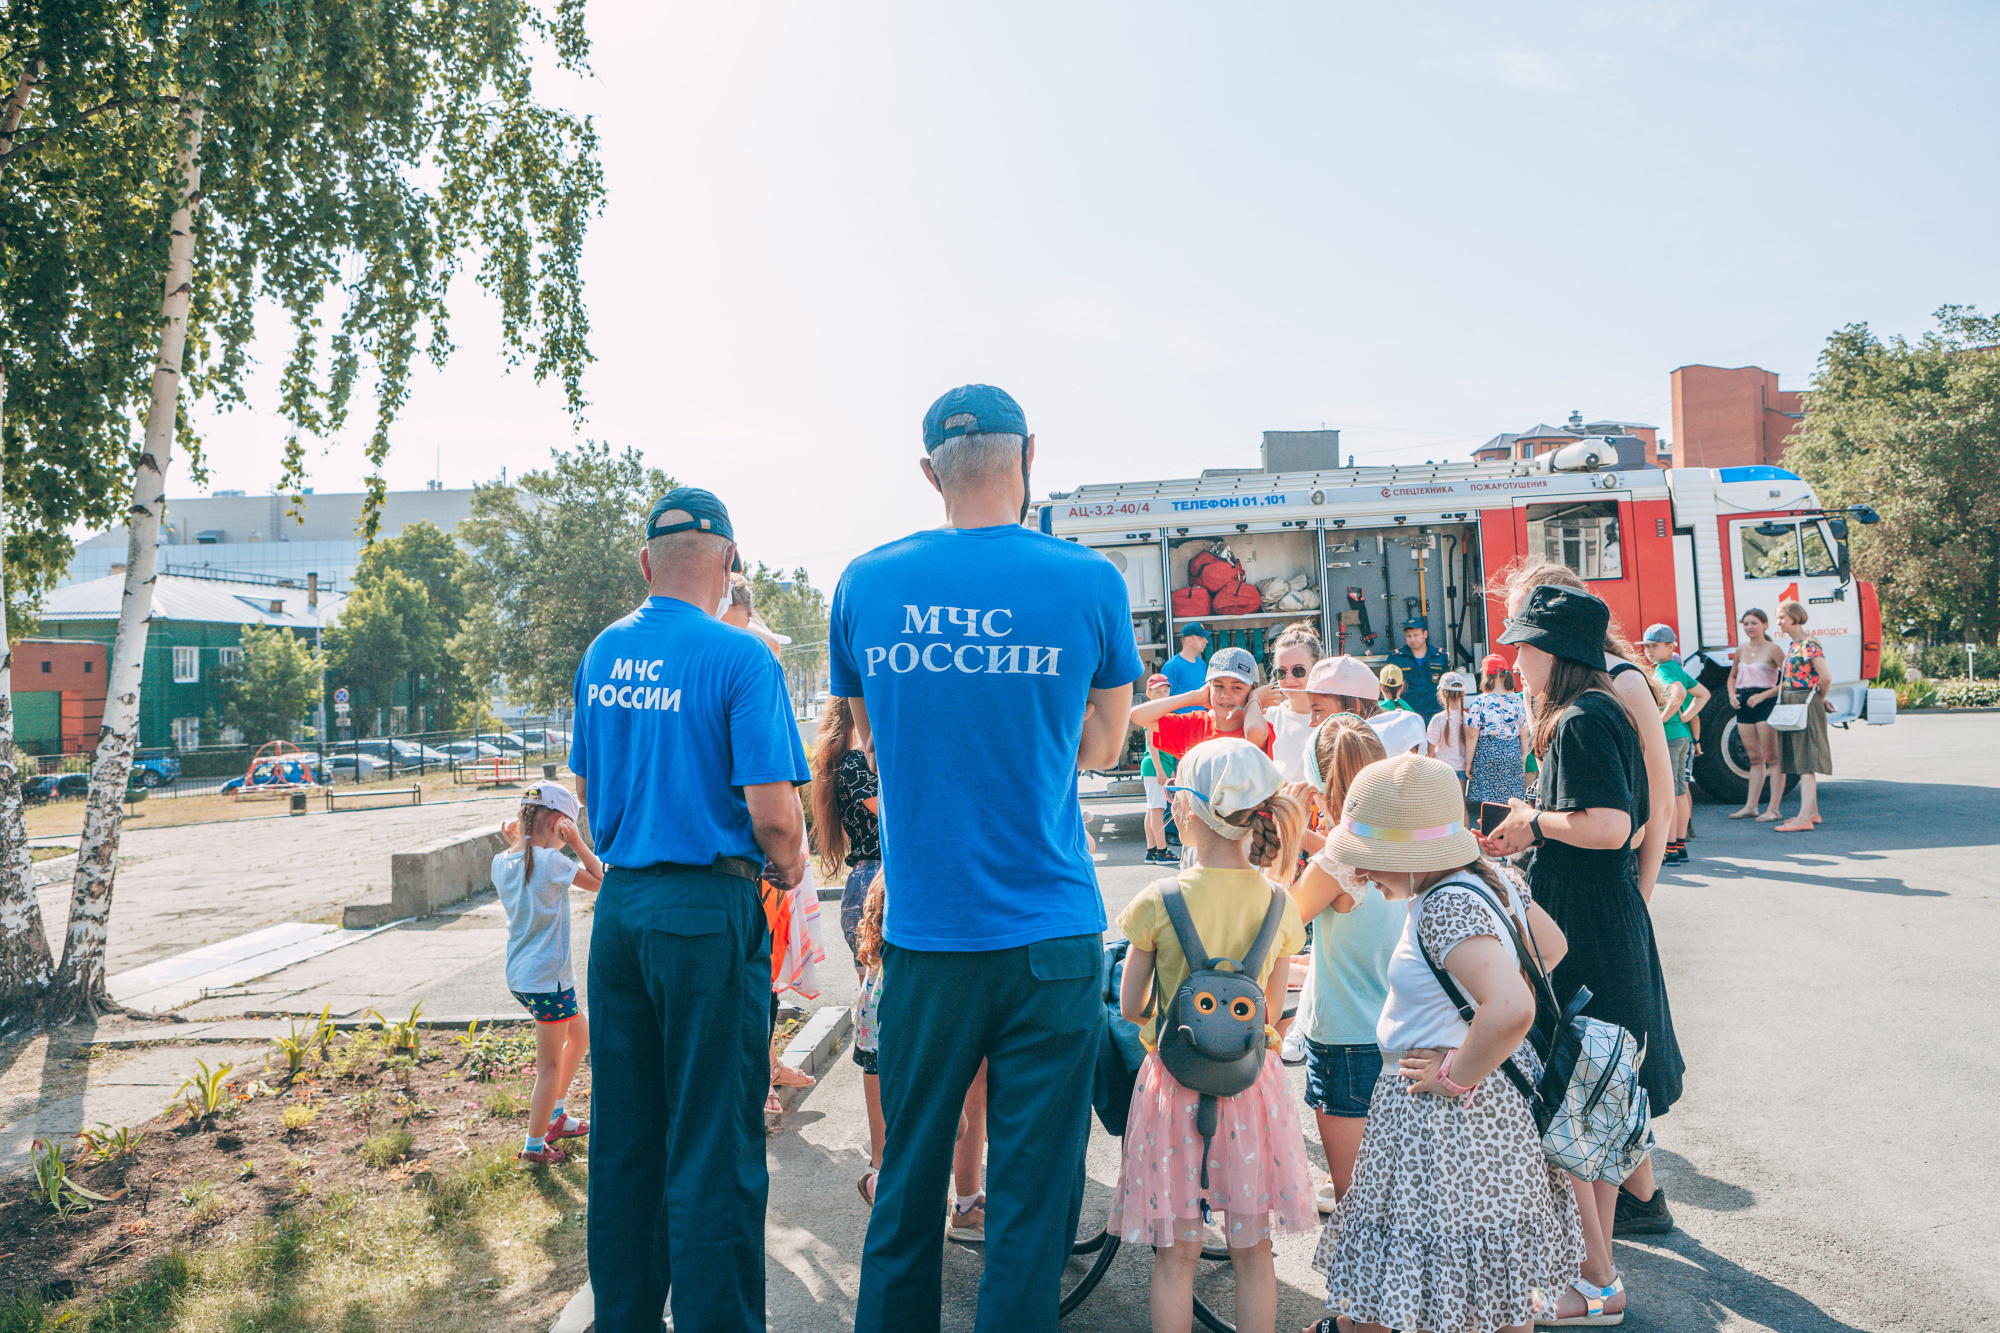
(298, 1116)
(388, 1147)
(484, 1247)
(45, 854)
(505, 1102)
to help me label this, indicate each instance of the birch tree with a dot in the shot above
(339, 160)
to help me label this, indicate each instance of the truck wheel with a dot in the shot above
(1722, 770)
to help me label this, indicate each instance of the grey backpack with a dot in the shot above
(1211, 1036)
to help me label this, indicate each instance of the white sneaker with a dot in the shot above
(1293, 1052)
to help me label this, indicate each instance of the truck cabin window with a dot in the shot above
(1583, 536)
(1819, 562)
(1770, 550)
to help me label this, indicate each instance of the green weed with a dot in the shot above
(388, 1147)
(502, 1103)
(403, 1036)
(53, 1185)
(105, 1144)
(207, 1090)
(298, 1116)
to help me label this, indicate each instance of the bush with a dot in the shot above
(1894, 668)
(1948, 660)
(1968, 693)
(298, 1116)
(1916, 694)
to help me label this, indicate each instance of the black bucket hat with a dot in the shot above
(1564, 622)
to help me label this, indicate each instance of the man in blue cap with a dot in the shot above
(1422, 667)
(687, 756)
(984, 647)
(1186, 670)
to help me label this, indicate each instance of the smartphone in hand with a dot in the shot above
(1491, 816)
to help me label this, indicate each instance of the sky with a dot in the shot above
(1168, 227)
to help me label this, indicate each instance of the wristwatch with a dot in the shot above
(1535, 827)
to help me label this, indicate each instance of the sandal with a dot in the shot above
(867, 1185)
(772, 1106)
(1593, 1315)
(785, 1076)
(1769, 817)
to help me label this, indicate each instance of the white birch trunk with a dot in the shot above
(25, 962)
(81, 982)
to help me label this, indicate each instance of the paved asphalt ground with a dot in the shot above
(1832, 1164)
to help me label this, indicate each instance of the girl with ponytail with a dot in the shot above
(1244, 830)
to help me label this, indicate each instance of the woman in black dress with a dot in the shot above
(1594, 804)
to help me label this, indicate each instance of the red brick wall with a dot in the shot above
(76, 668)
(1730, 418)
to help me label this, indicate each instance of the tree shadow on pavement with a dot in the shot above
(1873, 815)
(1729, 870)
(1682, 1285)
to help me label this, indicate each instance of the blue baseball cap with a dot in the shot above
(1195, 628)
(705, 513)
(991, 411)
(1660, 634)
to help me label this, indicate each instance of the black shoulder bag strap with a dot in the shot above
(1197, 956)
(1544, 993)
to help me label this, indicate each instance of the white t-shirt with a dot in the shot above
(1290, 734)
(538, 949)
(1419, 1013)
(1440, 736)
(1400, 731)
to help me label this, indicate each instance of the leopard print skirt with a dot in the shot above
(1456, 1220)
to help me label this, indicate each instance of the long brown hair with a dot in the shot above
(868, 934)
(1525, 575)
(527, 816)
(830, 746)
(1569, 680)
(1343, 747)
(1454, 718)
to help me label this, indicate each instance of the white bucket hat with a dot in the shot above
(1227, 777)
(1405, 813)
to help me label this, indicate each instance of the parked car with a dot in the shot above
(505, 742)
(154, 768)
(56, 787)
(273, 772)
(404, 752)
(540, 739)
(356, 767)
(469, 750)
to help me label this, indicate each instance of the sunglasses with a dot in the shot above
(1295, 672)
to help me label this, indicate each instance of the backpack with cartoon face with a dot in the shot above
(1211, 1035)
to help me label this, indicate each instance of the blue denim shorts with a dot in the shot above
(1340, 1080)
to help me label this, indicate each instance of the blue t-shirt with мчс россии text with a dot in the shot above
(975, 651)
(676, 713)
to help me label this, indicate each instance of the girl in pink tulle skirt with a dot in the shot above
(1227, 802)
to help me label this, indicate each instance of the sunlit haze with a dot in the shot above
(1166, 228)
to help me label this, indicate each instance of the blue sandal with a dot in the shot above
(1593, 1315)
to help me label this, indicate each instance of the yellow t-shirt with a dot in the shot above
(1227, 908)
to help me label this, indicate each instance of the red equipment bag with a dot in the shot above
(1212, 572)
(1238, 599)
(1191, 602)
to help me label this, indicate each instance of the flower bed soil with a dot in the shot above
(185, 1186)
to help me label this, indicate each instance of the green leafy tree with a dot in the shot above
(386, 626)
(1914, 430)
(557, 557)
(797, 610)
(428, 557)
(171, 167)
(269, 690)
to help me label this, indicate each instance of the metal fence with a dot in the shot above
(167, 772)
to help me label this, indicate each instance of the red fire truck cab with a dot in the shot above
(1361, 550)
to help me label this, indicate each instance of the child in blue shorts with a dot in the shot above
(534, 879)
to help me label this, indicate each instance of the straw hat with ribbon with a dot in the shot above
(1406, 813)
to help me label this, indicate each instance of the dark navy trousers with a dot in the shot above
(680, 1030)
(1035, 1014)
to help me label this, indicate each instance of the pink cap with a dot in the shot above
(1343, 675)
(1156, 679)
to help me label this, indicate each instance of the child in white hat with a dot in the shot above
(534, 879)
(1449, 732)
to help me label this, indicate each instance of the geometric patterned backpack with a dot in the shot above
(1588, 1106)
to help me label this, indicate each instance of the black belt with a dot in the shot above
(737, 867)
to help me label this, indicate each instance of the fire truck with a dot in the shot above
(1363, 549)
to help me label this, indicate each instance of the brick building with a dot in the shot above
(1542, 439)
(1732, 418)
(58, 694)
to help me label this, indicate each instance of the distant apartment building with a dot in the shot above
(1541, 438)
(233, 533)
(1732, 418)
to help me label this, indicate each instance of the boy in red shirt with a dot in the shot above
(1224, 703)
